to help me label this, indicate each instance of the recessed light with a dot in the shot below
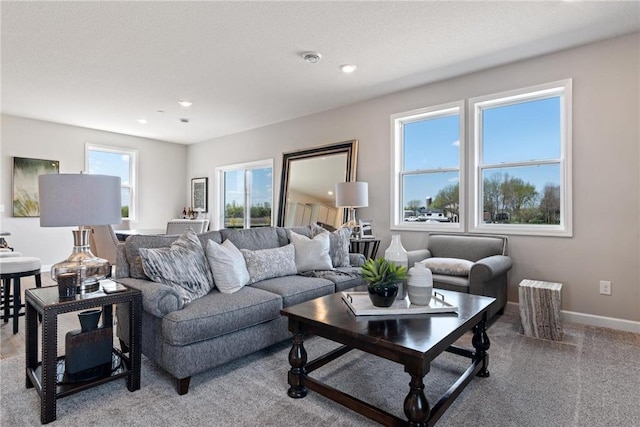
(311, 57)
(185, 103)
(142, 121)
(348, 68)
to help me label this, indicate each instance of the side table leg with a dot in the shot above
(416, 405)
(481, 343)
(297, 360)
(49, 356)
(31, 342)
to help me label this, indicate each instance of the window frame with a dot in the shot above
(397, 122)
(133, 170)
(563, 89)
(218, 217)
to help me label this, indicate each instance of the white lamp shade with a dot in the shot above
(352, 194)
(79, 200)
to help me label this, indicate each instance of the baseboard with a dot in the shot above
(588, 319)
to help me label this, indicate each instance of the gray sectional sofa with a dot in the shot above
(186, 339)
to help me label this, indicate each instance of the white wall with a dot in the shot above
(606, 241)
(161, 177)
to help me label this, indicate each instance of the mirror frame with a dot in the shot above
(349, 147)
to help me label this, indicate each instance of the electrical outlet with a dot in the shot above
(605, 287)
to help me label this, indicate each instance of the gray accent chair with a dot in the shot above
(488, 274)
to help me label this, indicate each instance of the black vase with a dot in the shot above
(383, 296)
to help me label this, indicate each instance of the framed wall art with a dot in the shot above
(200, 194)
(25, 184)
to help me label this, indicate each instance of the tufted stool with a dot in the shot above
(15, 268)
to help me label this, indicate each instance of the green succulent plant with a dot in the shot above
(382, 273)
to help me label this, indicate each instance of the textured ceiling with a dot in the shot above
(105, 64)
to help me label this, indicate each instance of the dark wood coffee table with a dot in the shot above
(414, 343)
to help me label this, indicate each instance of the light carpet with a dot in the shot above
(590, 378)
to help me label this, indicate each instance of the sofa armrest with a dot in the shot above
(417, 256)
(488, 268)
(356, 260)
(158, 299)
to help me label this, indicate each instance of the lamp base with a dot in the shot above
(88, 267)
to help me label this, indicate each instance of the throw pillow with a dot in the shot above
(448, 266)
(338, 244)
(182, 265)
(268, 263)
(227, 266)
(311, 254)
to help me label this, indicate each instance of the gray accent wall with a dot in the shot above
(606, 159)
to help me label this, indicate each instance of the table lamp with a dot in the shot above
(352, 195)
(80, 200)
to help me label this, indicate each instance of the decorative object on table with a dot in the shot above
(540, 303)
(366, 229)
(360, 304)
(67, 283)
(81, 200)
(397, 254)
(420, 284)
(25, 184)
(383, 278)
(352, 195)
(199, 194)
(88, 350)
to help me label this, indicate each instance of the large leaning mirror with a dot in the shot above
(308, 184)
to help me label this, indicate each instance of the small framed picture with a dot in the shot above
(366, 229)
(199, 194)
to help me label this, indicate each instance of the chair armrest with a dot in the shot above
(122, 265)
(158, 299)
(488, 268)
(417, 256)
(356, 260)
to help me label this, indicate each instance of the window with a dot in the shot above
(516, 162)
(119, 162)
(246, 195)
(521, 146)
(428, 171)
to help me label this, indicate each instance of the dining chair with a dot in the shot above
(179, 226)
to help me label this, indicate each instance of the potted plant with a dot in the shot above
(382, 279)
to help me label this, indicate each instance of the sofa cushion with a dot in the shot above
(218, 314)
(451, 283)
(448, 266)
(311, 254)
(283, 233)
(342, 277)
(252, 238)
(472, 248)
(338, 244)
(227, 265)
(296, 289)
(183, 265)
(267, 263)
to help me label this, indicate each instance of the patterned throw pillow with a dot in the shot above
(338, 244)
(448, 266)
(268, 263)
(311, 254)
(182, 266)
(227, 266)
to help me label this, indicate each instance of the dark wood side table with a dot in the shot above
(44, 375)
(366, 247)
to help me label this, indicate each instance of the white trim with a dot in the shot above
(397, 155)
(588, 319)
(218, 206)
(562, 88)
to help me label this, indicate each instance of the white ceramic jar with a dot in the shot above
(420, 284)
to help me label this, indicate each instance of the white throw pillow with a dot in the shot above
(448, 266)
(268, 263)
(311, 254)
(227, 266)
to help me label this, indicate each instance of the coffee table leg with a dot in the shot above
(481, 343)
(297, 360)
(416, 406)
